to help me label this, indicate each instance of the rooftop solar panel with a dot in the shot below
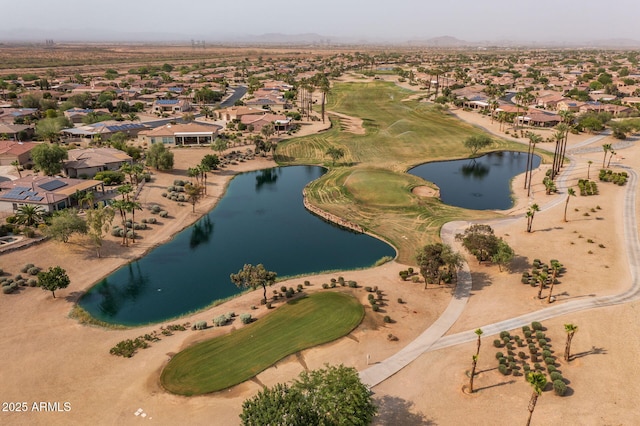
(36, 198)
(52, 185)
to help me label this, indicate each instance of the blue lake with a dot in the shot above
(260, 219)
(482, 183)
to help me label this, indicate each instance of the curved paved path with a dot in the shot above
(433, 338)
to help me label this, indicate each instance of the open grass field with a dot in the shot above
(369, 185)
(225, 361)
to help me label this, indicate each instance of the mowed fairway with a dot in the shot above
(369, 185)
(225, 361)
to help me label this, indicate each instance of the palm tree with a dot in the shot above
(589, 163)
(542, 279)
(555, 268)
(571, 330)
(559, 136)
(606, 148)
(475, 360)
(16, 164)
(612, 153)
(570, 193)
(538, 381)
(531, 212)
(533, 140)
(29, 215)
(335, 154)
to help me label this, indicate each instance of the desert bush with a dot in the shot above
(559, 387)
(152, 220)
(497, 343)
(8, 289)
(268, 305)
(375, 308)
(289, 294)
(199, 325)
(370, 296)
(536, 326)
(538, 367)
(163, 213)
(332, 285)
(504, 334)
(127, 348)
(546, 353)
(549, 361)
(219, 321)
(551, 369)
(26, 267)
(283, 288)
(503, 369)
(307, 283)
(368, 289)
(522, 355)
(502, 360)
(542, 342)
(392, 338)
(415, 279)
(540, 335)
(527, 334)
(179, 182)
(325, 285)
(400, 301)
(353, 284)
(387, 319)
(499, 355)
(33, 283)
(299, 288)
(555, 375)
(404, 275)
(245, 318)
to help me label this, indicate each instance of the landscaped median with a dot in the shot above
(225, 361)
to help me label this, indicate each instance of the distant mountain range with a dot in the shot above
(92, 35)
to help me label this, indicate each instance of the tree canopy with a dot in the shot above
(476, 143)
(160, 157)
(253, 276)
(53, 279)
(333, 395)
(49, 158)
(433, 258)
(65, 223)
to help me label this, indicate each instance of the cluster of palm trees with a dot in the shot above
(608, 149)
(127, 205)
(306, 88)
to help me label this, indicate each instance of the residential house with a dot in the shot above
(85, 163)
(11, 151)
(236, 112)
(16, 132)
(170, 106)
(193, 133)
(281, 123)
(51, 193)
(102, 130)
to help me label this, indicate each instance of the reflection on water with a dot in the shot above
(481, 183)
(474, 169)
(266, 177)
(201, 232)
(114, 296)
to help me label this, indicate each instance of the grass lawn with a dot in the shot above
(369, 185)
(225, 361)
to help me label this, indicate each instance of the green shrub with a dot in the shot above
(502, 360)
(307, 283)
(504, 334)
(179, 182)
(245, 318)
(268, 305)
(546, 353)
(527, 334)
(33, 283)
(499, 355)
(540, 335)
(542, 342)
(415, 279)
(299, 288)
(325, 285)
(400, 301)
(549, 361)
(536, 325)
(551, 369)
(163, 213)
(555, 375)
(370, 296)
(353, 284)
(7, 289)
(497, 343)
(368, 289)
(283, 288)
(522, 355)
(503, 369)
(559, 387)
(332, 285)
(538, 367)
(375, 308)
(387, 319)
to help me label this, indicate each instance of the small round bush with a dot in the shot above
(307, 283)
(506, 340)
(551, 369)
(510, 346)
(502, 360)
(152, 220)
(325, 285)
(526, 367)
(497, 343)
(540, 335)
(219, 321)
(400, 300)
(245, 318)
(283, 288)
(527, 334)
(503, 369)
(555, 375)
(33, 270)
(299, 287)
(163, 213)
(26, 267)
(559, 387)
(512, 366)
(353, 284)
(499, 355)
(370, 296)
(522, 355)
(368, 289)
(372, 302)
(546, 354)
(504, 334)
(332, 285)
(538, 367)
(7, 289)
(511, 358)
(268, 305)
(375, 308)
(387, 319)
(33, 283)
(542, 342)
(536, 325)
(549, 361)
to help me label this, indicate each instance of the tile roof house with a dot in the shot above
(88, 162)
(281, 123)
(11, 151)
(49, 192)
(170, 105)
(193, 133)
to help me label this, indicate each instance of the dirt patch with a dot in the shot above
(426, 191)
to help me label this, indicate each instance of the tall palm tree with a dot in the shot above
(571, 330)
(611, 154)
(533, 140)
(570, 193)
(531, 212)
(589, 163)
(475, 360)
(559, 136)
(542, 279)
(606, 148)
(555, 269)
(538, 381)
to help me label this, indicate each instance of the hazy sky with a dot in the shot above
(472, 20)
